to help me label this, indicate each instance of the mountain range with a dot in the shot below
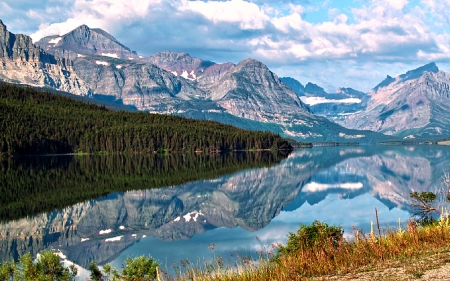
(92, 63)
(411, 105)
(89, 62)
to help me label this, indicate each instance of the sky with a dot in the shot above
(332, 43)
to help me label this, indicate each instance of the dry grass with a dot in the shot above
(411, 251)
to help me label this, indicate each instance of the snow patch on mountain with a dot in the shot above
(193, 75)
(343, 135)
(319, 100)
(111, 55)
(107, 231)
(315, 186)
(114, 239)
(192, 215)
(55, 41)
(100, 62)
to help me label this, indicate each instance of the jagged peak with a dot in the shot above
(172, 55)
(416, 73)
(409, 75)
(388, 80)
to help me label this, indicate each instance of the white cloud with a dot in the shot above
(105, 14)
(281, 34)
(397, 4)
(248, 15)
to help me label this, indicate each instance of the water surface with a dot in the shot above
(251, 203)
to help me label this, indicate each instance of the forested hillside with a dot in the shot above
(38, 122)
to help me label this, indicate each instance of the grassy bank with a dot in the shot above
(318, 252)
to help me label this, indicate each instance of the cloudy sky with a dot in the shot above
(333, 43)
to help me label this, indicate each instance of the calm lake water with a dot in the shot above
(241, 204)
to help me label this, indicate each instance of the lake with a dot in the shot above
(200, 207)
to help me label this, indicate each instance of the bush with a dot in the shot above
(318, 234)
(139, 268)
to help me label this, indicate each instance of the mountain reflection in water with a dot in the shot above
(338, 185)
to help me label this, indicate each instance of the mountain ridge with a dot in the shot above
(411, 105)
(235, 94)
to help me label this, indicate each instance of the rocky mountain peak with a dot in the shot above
(168, 56)
(388, 80)
(416, 73)
(180, 64)
(409, 75)
(251, 64)
(85, 41)
(295, 85)
(314, 89)
(94, 39)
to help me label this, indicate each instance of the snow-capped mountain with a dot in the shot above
(411, 105)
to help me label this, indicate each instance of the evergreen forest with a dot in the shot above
(34, 122)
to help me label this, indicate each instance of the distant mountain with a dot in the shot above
(295, 85)
(334, 106)
(314, 90)
(412, 105)
(247, 95)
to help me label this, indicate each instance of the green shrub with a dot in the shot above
(317, 234)
(139, 268)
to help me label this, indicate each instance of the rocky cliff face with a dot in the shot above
(412, 105)
(25, 63)
(143, 85)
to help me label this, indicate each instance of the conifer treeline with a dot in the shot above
(38, 122)
(32, 185)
